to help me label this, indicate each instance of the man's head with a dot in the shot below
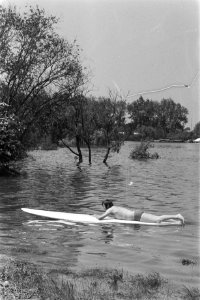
(107, 204)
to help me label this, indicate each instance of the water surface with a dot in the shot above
(169, 185)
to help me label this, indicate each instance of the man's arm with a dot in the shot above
(108, 212)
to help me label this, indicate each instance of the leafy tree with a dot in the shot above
(74, 120)
(78, 122)
(86, 119)
(154, 119)
(34, 60)
(196, 130)
(111, 122)
(10, 146)
(143, 112)
(88, 116)
(147, 132)
(180, 135)
(172, 116)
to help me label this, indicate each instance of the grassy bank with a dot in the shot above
(21, 280)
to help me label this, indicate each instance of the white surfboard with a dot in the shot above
(89, 219)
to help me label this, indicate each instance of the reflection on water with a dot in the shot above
(53, 182)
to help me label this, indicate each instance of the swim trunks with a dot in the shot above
(137, 214)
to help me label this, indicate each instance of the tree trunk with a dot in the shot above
(106, 156)
(89, 154)
(89, 151)
(79, 150)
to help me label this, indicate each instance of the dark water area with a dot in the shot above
(169, 185)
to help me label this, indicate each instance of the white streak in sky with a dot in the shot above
(167, 87)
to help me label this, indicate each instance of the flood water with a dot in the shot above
(169, 185)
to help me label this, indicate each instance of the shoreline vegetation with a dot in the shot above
(23, 280)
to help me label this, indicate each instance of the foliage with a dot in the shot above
(10, 129)
(111, 117)
(141, 151)
(143, 113)
(181, 135)
(156, 120)
(196, 130)
(87, 124)
(149, 132)
(90, 122)
(172, 116)
(35, 63)
(111, 121)
(80, 116)
(76, 121)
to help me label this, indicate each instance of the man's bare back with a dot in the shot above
(122, 213)
(118, 212)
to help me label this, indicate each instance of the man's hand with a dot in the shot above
(96, 216)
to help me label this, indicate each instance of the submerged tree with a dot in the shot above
(75, 120)
(111, 122)
(88, 113)
(88, 120)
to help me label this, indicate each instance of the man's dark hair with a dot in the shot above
(107, 203)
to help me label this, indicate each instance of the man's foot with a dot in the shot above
(181, 218)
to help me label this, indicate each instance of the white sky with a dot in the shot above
(135, 45)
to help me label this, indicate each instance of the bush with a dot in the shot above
(141, 151)
(11, 148)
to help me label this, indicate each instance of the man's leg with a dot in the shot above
(173, 217)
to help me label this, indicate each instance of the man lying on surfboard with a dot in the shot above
(122, 213)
